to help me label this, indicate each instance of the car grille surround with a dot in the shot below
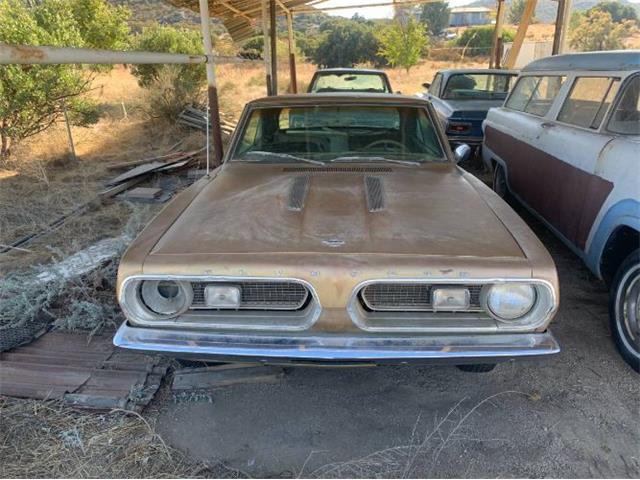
(258, 295)
(410, 297)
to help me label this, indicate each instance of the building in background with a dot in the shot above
(465, 16)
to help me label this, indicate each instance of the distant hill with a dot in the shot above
(546, 9)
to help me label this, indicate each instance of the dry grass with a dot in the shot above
(48, 440)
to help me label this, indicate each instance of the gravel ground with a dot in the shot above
(574, 415)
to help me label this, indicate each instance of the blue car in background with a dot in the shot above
(462, 98)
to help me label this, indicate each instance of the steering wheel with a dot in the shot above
(377, 143)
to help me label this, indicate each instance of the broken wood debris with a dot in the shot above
(218, 376)
(196, 118)
(144, 193)
(88, 373)
(183, 159)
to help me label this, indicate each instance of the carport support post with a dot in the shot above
(292, 55)
(496, 50)
(560, 33)
(212, 91)
(266, 48)
(274, 46)
(527, 15)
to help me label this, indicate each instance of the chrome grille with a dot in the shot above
(257, 295)
(374, 189)
(298, 192)
(409, 296)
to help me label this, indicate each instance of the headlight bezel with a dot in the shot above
(544, 305)
(135, 307)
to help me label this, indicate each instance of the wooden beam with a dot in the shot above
(562, 21)
(527, 15)
(273, 36)
(215, 136)
(494, 61)
(266, 47)
(293, 77)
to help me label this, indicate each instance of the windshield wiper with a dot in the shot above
(284, 155)
(365, 158)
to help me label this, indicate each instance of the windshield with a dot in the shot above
(480, 86)
(319, 134)
(349, 82)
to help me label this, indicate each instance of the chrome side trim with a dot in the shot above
(481, 322)
(287, 321)
(337, 348)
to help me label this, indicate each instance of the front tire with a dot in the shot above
(624, 310)
(500, 182)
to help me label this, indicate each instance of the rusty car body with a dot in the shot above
(339, 229)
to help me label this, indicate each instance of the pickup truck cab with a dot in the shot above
(566, 144)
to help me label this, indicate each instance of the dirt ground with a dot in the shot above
(574, 415)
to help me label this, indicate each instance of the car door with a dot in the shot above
(570, 148)
(512, 132)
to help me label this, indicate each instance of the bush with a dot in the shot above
(478, 40)
(402, 43)
(30, 97)
(345, 43)
(597, 31)
(170, 87)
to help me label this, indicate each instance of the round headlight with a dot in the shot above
(166, 297)
(510, 301)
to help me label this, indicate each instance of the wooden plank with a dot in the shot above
(217, 377)
(527, 15)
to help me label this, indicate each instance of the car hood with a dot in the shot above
(248, 208)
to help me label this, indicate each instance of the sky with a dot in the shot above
(378, 12)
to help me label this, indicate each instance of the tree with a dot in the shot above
(402, 43)
(516, 10)
(597, 31)
(31, 96)
(617, 10)
(345, 42)
(479, 40)
(157, 38)
(435, 15)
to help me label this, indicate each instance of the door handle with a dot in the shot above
(548, 125)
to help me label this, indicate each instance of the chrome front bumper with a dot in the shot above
(327, 349)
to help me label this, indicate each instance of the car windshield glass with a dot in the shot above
(349, 82)
(480, 86)
(339, 133)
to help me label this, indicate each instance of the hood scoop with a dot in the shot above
(298, 193)
(374, 190)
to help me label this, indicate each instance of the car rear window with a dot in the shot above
(349, 82)
(626, 114)
(478, 86)
(535, 94)
(588, 101)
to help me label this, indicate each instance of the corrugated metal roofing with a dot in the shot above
(240, 17)
(89, 373)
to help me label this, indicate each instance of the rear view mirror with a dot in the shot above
(462, 153)
(426, 85)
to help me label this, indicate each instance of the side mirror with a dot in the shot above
(462, 153)
(426, 85)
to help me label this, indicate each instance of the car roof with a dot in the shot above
(351, 70)
(347, 98)
(449, 71)
(615, 60)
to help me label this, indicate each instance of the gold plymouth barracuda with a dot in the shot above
(339, 230)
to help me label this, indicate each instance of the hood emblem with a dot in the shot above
(333, 242)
